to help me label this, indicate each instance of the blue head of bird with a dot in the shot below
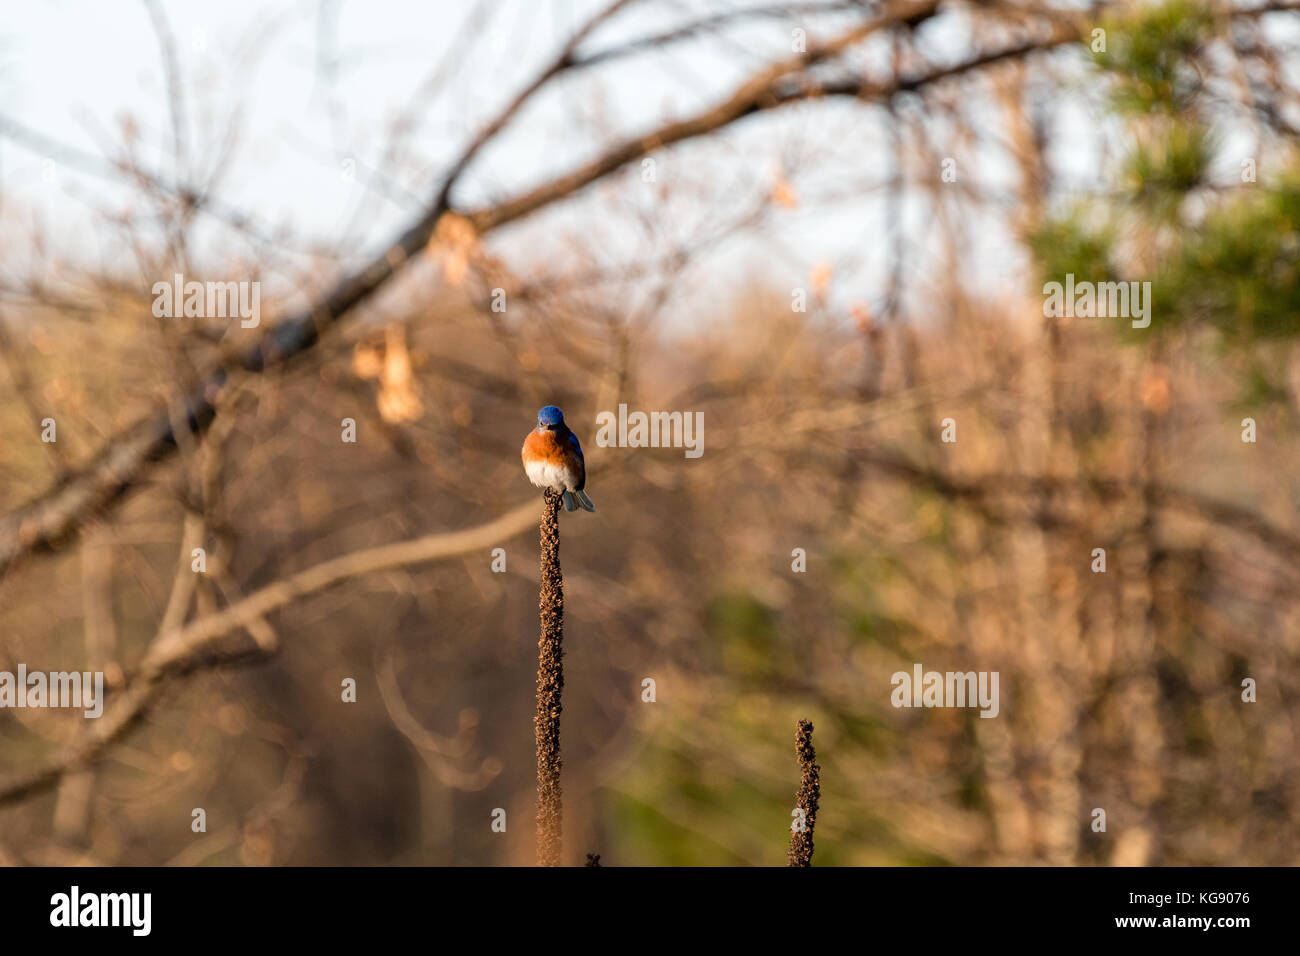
(549, 418)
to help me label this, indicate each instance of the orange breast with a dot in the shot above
(543, 446)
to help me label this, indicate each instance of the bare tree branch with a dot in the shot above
(177, 652)
(48, 520)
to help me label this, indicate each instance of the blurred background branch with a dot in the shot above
(824, 227)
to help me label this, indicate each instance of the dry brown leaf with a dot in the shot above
(455, 242)
(783, 194)
(821, 279)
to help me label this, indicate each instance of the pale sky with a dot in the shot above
(314, 87)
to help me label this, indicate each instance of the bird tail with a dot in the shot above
(584, 500)
(568, 502)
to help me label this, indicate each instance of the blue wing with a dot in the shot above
(573, 440)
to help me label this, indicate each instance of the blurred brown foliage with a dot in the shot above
(1121, 689)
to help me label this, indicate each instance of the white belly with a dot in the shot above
(545, 475)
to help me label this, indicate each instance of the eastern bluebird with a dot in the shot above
(553, 459)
